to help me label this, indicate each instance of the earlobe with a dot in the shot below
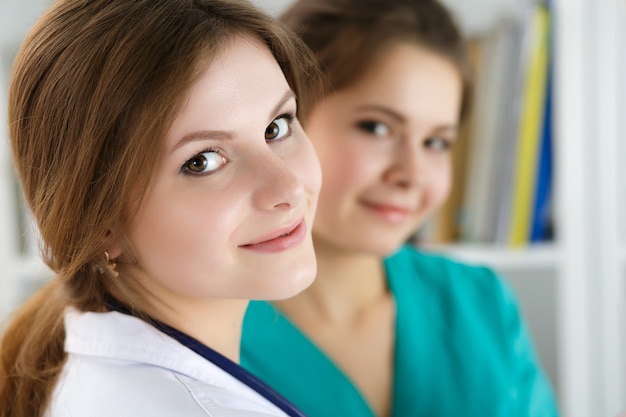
(110, 265)
(113, 246)
(114, 249)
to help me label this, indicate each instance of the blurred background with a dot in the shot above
(558, 237)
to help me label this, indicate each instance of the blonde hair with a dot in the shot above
(95, 87)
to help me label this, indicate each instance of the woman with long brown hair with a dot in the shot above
(159, 150)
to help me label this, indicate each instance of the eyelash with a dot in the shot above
(289, 117)
(446, 144)
(185, 168)
(369, 126)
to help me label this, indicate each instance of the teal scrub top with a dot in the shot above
(461, 349)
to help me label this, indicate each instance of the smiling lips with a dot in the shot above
(390, 213)
(279, 240)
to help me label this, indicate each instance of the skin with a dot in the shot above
(384, 144)
(236, 172)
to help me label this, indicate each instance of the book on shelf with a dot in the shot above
(530, 129)
(541, 226)
(509, 122)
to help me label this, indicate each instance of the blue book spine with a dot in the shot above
(541, 222)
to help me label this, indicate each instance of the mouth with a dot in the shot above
(390, 213)
(279, 240)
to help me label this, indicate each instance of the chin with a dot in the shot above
(299, 281)
(386, 251)
(382, 246)
(286, 282)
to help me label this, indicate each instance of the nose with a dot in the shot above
(405, 170)
(278, 186)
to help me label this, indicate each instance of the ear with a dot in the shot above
(114, 246)
(115, 249)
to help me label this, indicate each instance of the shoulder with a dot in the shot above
(475, 331)
(411, 257)
(104, 387)
(410, 266)
(449, 288)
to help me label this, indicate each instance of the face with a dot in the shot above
(229, 210)
(384, 146)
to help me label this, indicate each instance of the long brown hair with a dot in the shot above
(95, 87)
(349, 35)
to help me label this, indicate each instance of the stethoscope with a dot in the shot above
(220, 360)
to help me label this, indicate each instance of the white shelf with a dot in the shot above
(541, 256)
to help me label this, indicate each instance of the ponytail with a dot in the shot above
(31, 354)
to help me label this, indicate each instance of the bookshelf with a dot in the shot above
(539, 256)
(588, 258)
(571, 289)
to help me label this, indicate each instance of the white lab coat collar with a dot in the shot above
(152, 357)
(120, 336)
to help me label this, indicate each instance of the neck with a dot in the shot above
(216, 323)
(347, 283)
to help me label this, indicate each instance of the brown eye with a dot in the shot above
(438, 144)
(374, 128)
(278, 129)
(204, 163)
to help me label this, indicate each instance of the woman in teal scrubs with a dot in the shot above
(386, 330)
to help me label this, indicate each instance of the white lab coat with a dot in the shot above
(121, 366)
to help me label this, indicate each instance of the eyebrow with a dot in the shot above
(201, 135)
(373, 107)
(289, 95)
(399, 118)
(225, 135)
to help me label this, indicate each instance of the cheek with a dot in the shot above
(175, 229)
(440, 184)
(347, 168)
(182, 248)
(309, 170)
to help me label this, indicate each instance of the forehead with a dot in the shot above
(242, 61)
(405, 62)
(412, 81)
(240, 81)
